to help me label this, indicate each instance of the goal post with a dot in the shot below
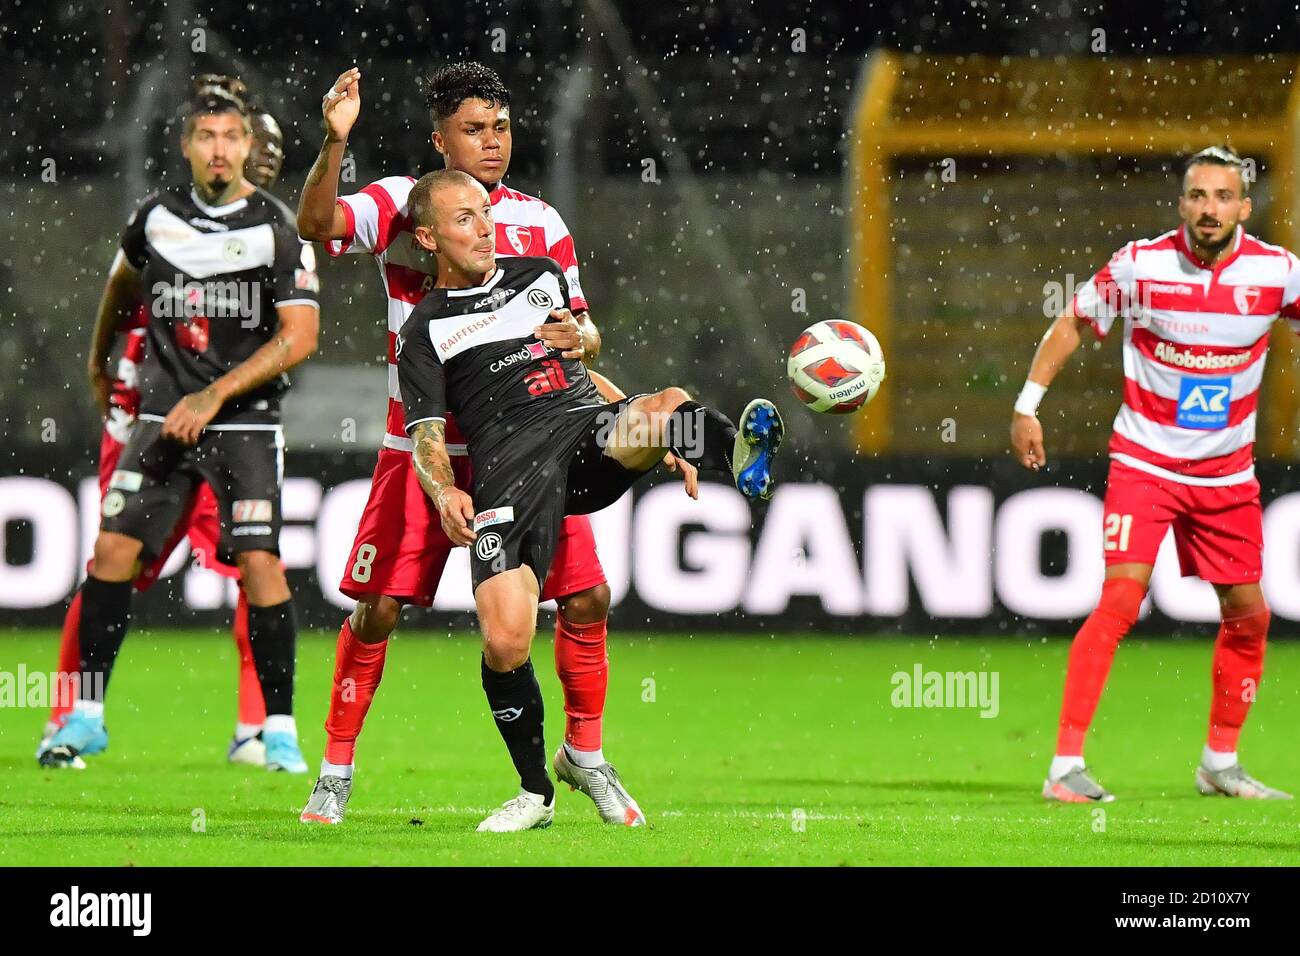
(912, 110)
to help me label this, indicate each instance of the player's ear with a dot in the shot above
(425, 237)
(1246, 207)
(438, 144)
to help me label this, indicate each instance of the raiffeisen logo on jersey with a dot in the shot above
(1204, 402)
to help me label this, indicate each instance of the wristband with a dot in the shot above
(1030, 396)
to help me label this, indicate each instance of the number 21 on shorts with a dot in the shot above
(1117, 528)
(365, 558)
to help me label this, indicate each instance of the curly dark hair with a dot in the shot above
(446, 87)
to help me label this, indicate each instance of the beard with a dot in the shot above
(1215, 245)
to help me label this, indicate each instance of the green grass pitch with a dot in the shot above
(741, 734)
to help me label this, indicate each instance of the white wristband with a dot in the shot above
(1030, 396)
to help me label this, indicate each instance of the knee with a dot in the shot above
(670, 399)
(262, 577)
(586, 607)
(116, 556)
(374, 618)
(506, 647)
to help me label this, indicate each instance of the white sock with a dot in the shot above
(586, 759)
(343, 770)
(94, 709)
(1216, 760)
(1063, 765)
(243, 731)
(281, 724)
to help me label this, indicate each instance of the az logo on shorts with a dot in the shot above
(1204, 402)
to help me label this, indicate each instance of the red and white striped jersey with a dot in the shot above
(124, 399)
(1195, 340)
(379, 223)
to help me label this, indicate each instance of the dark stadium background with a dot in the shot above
(690, 278)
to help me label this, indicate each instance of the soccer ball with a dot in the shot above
(835, 367)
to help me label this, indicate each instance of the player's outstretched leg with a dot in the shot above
(247, 745)
(358, 669)
(507, 610)
(708, 439)
(1091, 655)
(272, 633)
(1237, 669)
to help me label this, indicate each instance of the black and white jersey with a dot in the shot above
(472, 352)
(211, 279)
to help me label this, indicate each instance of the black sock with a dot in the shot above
(701, 435)
(105, 611)
(516, 703)
(273, 634)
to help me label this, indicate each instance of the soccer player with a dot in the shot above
(541, 441)
(119, 400)
(1197, 303)
(400, 551)
(215, 260)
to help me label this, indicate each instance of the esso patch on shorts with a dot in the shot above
(251, 509)
(1204, 402)
(486, 519)
(126, 480)
(488, 546)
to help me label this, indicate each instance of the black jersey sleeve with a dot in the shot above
(294, 272)
(133, 237)
(421, 376)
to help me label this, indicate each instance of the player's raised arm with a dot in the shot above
(319, 215)
(1055, 349)
(118, 301)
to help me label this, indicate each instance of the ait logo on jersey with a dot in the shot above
(519, 237)
(1204, 402)
(1245, 297)
(549, 378)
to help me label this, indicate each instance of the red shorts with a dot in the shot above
(1218, 531)
(400, 549)
(200, 522)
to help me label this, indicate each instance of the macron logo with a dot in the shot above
(75, 909)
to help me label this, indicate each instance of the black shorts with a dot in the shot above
(156, 479)
(524, 488)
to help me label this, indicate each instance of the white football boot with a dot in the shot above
(528, 811)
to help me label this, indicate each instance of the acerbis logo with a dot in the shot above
(540, 298)
(495, 299)
(507, 714)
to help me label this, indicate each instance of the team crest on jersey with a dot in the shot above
(519, 237)
(1204, 403)
(540, 298)
(1245, 298)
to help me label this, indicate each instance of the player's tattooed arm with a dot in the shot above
(433, 469)
(319, 215)
(121, 294)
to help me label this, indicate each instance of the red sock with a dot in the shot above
(583, 666)
(358, 668)
(69, 658)
(252, 705)
(1090, 659)
(1238, 666)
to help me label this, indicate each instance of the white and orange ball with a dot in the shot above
(835, 367)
